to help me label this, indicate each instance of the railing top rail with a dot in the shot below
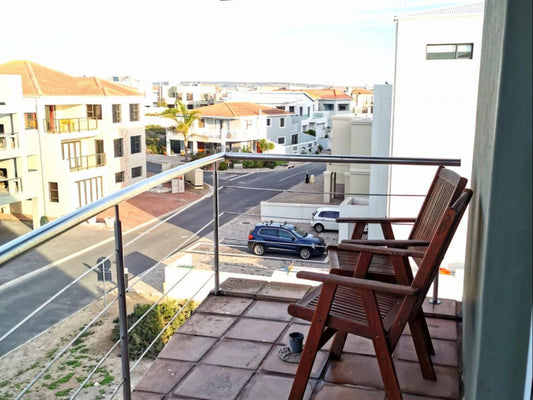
(450, 162)
(38, 236)
(46, 232)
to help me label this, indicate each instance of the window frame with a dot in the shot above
(53, 193)
(119, 177)
(455, 51)
(134, 112)
(30, 122)
(281, 140)
(134, 172)
(117, 113)
(135, 144)
(94, 111)
(118, 148)
(282, 122)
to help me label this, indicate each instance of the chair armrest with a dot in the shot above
(388, 251)
(388, 242)
(375, 220)
(358, 283)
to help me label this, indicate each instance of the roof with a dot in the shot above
(327, 94)
(362, 91)
(238, 109)
(464, 9)
(38, 80)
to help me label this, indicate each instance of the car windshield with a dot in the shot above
(299, 233)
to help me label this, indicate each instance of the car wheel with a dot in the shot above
(304, 253)
(259, 249)
(318, 228)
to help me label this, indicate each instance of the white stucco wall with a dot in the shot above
(434, 109)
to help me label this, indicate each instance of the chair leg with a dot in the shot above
(312, 344)
(386, 368)
(338, 345)
(427, 336)
(421, 346)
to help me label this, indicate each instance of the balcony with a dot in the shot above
(8, 141)
(70, 125)
(228, 348)
(10, 186)
(86, 162)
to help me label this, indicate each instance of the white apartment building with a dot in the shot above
(314, 106)
(232, 126)
(192, 95)
(82, 137)
(435, 100)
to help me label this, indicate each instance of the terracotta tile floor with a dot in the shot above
(228, 350)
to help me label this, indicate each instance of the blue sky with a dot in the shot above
(337, 42)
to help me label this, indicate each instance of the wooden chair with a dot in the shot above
(445, 188)
(374, 309)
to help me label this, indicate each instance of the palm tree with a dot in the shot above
(265, 145)
(184, 119)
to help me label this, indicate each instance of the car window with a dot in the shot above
(299, 233)
(285, 235)
(336, 214)
(322, 214)
(268, 232)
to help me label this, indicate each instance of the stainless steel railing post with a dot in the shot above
(215, 227)
(123, 313)
(435, 300)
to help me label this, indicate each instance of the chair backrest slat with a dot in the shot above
(444, 190)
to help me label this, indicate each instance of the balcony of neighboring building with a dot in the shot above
(72, 119)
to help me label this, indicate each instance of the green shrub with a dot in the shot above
(270, 164)
(146, 331)
(223, 166)
(311, 132)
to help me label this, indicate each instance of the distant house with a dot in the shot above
(76, 139)
(233, 126)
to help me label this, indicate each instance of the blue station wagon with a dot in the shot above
(279, 237)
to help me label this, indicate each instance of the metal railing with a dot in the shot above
(8, 141)
(70, 125)
(29, 241)
(10, 186)
(86, 162)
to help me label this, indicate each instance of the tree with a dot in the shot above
(265, 145)
(184, 119)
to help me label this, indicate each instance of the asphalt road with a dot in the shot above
(143, 249)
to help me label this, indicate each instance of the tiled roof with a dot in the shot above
(38, 80)
(238, 109)
(362, 91)
(327, 94)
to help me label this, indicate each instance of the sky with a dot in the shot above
(331, 42)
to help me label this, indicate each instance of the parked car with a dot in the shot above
(273, 236)
(324, 219)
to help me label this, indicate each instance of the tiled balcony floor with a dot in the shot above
(228, 350)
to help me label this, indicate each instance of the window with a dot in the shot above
(343, 107)
(136, 172)
(294, 138)
(291, 109)
(134, 112)
(281, 140)
(119, 147)
(117, 116)
(119, 177)
(269, 122)
(189, 96)
(94, 111)
(282, 122)
(281, 108)
(30, 120)
(328, 107)
(285, 235)
(135, 142)
(449, 51)
(53, 192)
(89, 190)
(269, 232)
(248, 124)
(201, 123)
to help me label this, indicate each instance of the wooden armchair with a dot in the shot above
(374, 309)
(445, 188)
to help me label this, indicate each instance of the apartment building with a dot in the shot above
(192, 95)
(435, 98)
(232, 126)
(363, 101)
(82, 137)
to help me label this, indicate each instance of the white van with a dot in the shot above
(324, 219)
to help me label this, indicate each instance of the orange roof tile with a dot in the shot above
(326, 94)
(38, 80)
(238, 109)
(362, 91)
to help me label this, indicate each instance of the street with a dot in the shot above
(144, 248)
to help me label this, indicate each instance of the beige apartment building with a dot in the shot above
(65, 141)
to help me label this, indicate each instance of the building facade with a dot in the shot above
(83, 136)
